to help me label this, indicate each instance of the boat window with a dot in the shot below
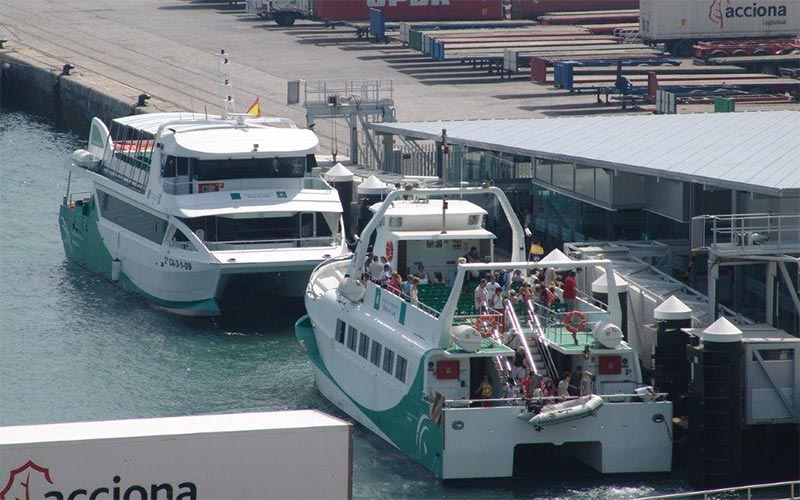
(179, 240)
(130, 164)
(168, 169)
(352, 334)
(363, 345)
(262, 227)
(375, 355)
(400, 371)
(248, 168)
(340, 328)
(131, 218)
(388, 360)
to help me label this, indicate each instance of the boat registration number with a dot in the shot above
(180, 264)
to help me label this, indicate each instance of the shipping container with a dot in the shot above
(529, 9)
(681, 23)
(293, 454)
(408, 10)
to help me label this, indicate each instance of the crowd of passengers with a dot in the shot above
(523, 383)
(545, 286)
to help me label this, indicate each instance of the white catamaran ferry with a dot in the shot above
(410, 367)
(198, 213)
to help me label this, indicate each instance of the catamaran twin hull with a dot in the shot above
(464, 441)
(176, 280)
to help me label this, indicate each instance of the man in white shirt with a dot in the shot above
(481, 297)
(563, 386)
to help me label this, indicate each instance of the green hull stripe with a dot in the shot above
(407, 424)
(84, 246)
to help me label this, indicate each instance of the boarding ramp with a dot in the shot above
(648, 287)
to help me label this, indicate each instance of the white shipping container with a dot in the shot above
(293, 454)
(663, 20)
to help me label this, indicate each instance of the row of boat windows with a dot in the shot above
(373, 350)
(246, 168)
(131, 218)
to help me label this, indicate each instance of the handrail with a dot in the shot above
(538, 331)
(794, 491)
(522, 401)
(512, 317)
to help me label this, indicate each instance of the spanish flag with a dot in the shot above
(255, 109)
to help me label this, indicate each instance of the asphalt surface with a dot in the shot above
(166, 49)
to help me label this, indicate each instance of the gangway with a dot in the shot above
(513, 321)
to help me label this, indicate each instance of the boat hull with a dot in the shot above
(172, 280)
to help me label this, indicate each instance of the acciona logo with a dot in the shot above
(31, 481)
(719, 10)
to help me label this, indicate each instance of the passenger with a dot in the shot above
(375, 269)
(496, 300)
(526, 384)
(512, 340)
(511, 389)
(473, 255)
(549, 389)
(577, 376)
(422, 274)
(492, 285)
(586, 383)
(525, 292)
(513, 297)
(570, 293)
(549, 277)
(437, 278)
(518, 366)
(563, 386)
(395, 284)
(485, 391)
(481, 297)
(414, 295)
(386, 274)
(517, 276)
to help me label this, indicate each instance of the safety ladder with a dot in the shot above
(538, 337)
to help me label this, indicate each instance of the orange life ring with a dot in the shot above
(485, 324)
(575, 321)
(389, 249)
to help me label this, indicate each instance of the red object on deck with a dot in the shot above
(609, 365)
(539, 69)
(528, 9)
(410, 10)
(447, 369)
(745, 47)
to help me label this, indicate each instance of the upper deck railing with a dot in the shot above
(750, 233)
(363, 90)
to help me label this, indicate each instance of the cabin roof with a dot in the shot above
(430, 207)
(250, 201)
(451, 234)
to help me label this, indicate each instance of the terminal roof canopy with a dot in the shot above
(751, 151)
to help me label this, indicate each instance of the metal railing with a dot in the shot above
(523, 401)
(792, 487)
(781, 231)
(541, 340)
(511, 315)
(318, 91)
(324, 241)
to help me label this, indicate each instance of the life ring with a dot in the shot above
(485, 324)
(575, 321)
(389, 249)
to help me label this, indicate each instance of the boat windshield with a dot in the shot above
(284, 229)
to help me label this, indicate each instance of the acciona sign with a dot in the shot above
(720, 10)
(32, 480)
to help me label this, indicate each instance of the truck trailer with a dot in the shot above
(681, 23)
(286, 12)
(291, 454)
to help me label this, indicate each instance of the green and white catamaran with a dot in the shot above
(198, 213)
(408, 368)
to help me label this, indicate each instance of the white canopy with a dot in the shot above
(372, 186)
(339, 173)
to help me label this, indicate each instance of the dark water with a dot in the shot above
(74, 347)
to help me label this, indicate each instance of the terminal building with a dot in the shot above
(681, 191)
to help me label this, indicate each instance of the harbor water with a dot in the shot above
(74, 347)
